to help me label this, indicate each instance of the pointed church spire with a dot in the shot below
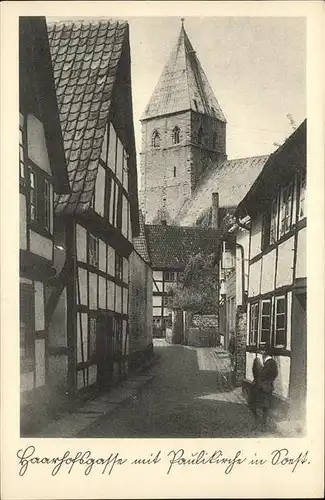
(183, 84)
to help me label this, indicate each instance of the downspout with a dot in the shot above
(241, 248)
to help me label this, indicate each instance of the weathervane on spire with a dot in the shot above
(182, 19)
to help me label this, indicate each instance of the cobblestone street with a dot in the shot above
(188, 397)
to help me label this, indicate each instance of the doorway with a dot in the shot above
(104, 350)
(298, 367)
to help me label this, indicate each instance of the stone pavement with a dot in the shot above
(189, 396)
(71, 424)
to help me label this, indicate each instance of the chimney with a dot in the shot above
(215, 210)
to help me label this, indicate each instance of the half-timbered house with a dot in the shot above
(42, 170)
(170, 249)
(87, 310)
(277, 289)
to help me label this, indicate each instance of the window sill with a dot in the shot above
(40, 229)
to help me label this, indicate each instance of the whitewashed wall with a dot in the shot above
(37, 150)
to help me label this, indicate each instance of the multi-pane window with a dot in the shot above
(273, 221)
(47, 204)
(176, 135)
(32, 195)
(268, 318)
(253, 327)
(93, 250)
(265, 321)
(125, 172)
(169, 276)
(302, 195)
(286, 209)
(118, 267)
(21, 153)
(155, 139)
(279, 321)
(40, 200)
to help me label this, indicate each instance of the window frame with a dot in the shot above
(302, 190)
(176, 135)
(285, 209)
(261, 329)
(270, 224)
(40, 205)
(254, 332)
(167, 274)
(155, 139)
(93, 250)
(22, 152)
(275, 344)
(118, 267)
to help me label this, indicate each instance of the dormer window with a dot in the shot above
(155, 140)
(176, 135)
(200, 136)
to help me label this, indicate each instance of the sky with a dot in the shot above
(255, 65)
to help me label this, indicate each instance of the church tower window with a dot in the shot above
(155, 139)
(176, 135)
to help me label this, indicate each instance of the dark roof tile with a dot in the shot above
(232, 179)
(85, 57)
(173, 246)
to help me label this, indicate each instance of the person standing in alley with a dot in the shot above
(254, 398)
(267, 376)
(263, 385)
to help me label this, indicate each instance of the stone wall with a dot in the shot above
(169, 173)
(240, 342)
(140, 309)
(204, 331)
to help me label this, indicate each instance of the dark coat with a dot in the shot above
(268, 374)
(263, 385)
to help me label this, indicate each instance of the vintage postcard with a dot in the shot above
(162, 250)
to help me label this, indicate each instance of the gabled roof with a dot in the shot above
(279, 169)
(37, 92)
(183, 85)
(172, 246)
(91, 59)
(231, 180)
(140, 242)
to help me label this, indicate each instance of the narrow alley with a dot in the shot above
(188, 397)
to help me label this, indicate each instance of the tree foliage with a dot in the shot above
(198, 290)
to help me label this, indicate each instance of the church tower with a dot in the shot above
(183, 132)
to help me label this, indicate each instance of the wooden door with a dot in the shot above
(104, 347)
(298, 368)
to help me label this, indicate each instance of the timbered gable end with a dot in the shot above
(276, 205)
(102, 298)
(111, 199)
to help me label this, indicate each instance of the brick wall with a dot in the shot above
(140, 307)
